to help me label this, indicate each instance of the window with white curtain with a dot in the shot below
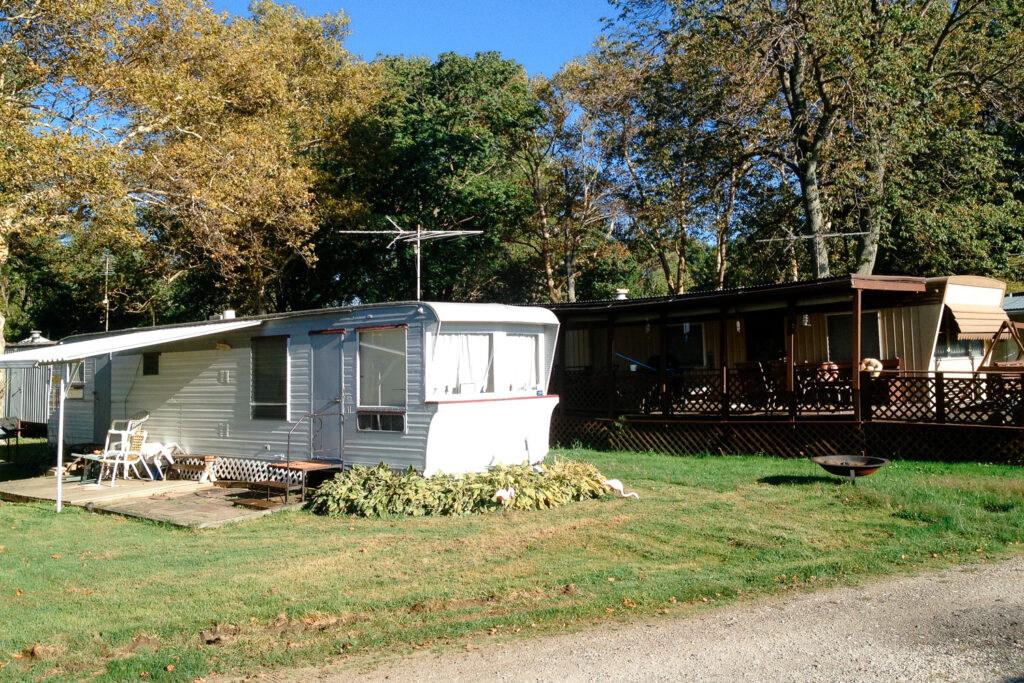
(382, 367)
(463, 364)
(521, 362)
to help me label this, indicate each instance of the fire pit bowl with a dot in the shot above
(851, 466)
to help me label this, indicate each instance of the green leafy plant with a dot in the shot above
(380, 490)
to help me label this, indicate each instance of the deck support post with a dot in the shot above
(60, 442)
(791, 361)
(723, 363)
(666, 403)
(858, 306)
(610, 364)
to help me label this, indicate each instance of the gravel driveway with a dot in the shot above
(961, 624)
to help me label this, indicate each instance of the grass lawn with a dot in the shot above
(84, 595)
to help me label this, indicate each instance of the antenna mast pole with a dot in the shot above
(419, 235)
(416, 238)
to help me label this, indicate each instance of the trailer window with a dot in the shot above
(381, 422)
(270, 378)
(463, 363)
(840, 336)
(524, 373)
(76, 381)
(382, 367)
(150, 363)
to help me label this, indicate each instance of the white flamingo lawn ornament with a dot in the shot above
(616, 485)
(504, 495)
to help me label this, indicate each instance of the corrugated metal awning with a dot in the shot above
(74, 351)
(976, 321)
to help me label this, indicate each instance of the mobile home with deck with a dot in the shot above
(436, 386)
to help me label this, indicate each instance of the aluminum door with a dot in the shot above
(328, 390)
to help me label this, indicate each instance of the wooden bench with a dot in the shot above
(205, 470)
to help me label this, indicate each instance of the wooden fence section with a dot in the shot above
(760, 391)
(942, 442)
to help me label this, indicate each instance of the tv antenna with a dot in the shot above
(417, 237)
(107, 269)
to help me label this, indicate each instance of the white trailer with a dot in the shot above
(435, 386)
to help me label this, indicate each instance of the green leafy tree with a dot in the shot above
(435, 152)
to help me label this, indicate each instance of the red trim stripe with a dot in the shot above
(491, 400)
(382, 327)
(332, 331)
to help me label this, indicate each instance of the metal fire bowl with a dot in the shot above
(850, 465)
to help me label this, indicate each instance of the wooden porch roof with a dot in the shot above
(895, 289)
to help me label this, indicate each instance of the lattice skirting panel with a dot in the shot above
(241, 469)
(945, 443)
(948, 443)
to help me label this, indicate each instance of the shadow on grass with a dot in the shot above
(29, 458)
(791, 480)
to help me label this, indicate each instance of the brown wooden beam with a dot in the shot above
(858, 311)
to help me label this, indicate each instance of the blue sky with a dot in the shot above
(537, 34)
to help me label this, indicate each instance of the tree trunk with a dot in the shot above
(808, 149)
(811, 192)
(570, 266)
(875, 168)
(724, 219)
(545, 253)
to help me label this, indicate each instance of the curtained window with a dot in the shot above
(463, 363)
(523, 373)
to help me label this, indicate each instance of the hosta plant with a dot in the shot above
(380, 490)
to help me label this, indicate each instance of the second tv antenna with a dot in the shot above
(417, 237)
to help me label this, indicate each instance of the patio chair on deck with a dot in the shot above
(121, 430)
(127, 455)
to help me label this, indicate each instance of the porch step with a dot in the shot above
(256, 503)
(268, 486)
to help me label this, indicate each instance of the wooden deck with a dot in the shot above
(76, 492)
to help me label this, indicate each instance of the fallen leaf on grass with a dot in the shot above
(611, 578)
(672, 599)
(169, 668)
(54, 557)
(17, 592)
(626, 602)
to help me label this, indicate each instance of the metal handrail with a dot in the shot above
(298, 423)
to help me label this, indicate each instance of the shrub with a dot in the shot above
(380, 490)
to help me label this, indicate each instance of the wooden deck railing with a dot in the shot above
(757, 391)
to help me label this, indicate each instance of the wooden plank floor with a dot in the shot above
(82, 493)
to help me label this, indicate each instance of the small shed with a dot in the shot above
(26, 390)
(446, 387)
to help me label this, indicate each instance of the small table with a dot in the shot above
(304, 467)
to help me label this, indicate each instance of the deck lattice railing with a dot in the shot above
(760, 391)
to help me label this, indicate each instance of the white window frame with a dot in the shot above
(360, 406)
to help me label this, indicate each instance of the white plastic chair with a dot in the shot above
(121, 430)
(127, 456)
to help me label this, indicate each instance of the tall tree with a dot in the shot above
(165, 122)
(436, 152)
